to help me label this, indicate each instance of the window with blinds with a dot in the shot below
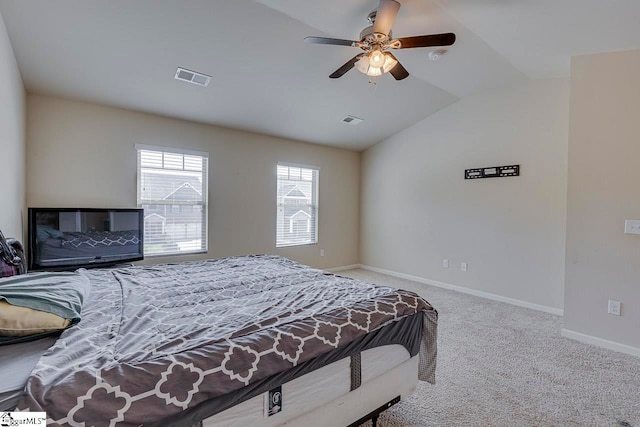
(172, 190)
(297, 197)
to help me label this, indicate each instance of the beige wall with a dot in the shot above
(604, 148)
(81, 154)
(418, 210)
(12, 140)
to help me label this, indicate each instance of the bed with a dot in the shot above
(210, 342)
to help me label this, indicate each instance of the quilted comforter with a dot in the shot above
(158, 340)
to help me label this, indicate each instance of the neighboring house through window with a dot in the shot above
(297, 199)
(172, 190)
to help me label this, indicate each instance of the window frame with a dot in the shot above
(316, 190)
(205, 196)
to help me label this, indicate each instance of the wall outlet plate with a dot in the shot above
(632, 226)
(463, 266)
(445, 263)
(614, 307)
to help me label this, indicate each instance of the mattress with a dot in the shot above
(300, 396)
(314, 390)
(16, 363)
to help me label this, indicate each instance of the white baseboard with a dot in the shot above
(600, 342)
(482, 294)
(343, 268)
(587, 339)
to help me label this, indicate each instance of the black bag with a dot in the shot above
(12, 260)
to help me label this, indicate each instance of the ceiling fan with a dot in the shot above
(376, 40)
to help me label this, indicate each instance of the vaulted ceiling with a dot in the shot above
(265, 79)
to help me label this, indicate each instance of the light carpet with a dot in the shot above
(502, 365)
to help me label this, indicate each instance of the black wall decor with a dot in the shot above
(492, 172)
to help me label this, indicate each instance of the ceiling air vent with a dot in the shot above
(352, 120)
(192, 77)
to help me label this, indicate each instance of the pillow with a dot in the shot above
(34, 304)
(23, 321)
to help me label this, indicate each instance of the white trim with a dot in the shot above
(342, 268)
(601, 342)
(298, 165)
(567, 333)
(481, 294)
(171, 150)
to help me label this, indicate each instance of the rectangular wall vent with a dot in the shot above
(352, 120)
(192, 77)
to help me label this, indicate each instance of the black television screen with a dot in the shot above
(70, 238)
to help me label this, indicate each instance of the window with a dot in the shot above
(297, 216)
(172, 190)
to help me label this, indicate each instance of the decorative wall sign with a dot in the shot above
(492, 172)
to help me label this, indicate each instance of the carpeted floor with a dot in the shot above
(502, 365)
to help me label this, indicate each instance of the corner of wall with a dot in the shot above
(12, 139)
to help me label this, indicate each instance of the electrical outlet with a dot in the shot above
(463, 266)
(445, 263)
(614, 307)
(631, 226)
(321, 252)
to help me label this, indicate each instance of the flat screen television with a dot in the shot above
(70, 238)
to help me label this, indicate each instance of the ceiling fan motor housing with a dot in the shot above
(368, 33)
(364, 33)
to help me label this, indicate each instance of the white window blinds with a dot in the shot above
(297, 197)
(172, 190)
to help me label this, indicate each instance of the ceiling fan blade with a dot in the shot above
(446, 39)
(326, 40)
(346, 67)
(398, 72)
(385, 15)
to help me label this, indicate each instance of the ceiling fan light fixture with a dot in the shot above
(362, 65)
(374, 72)
(365, 68)
(365, 65)
(376, 58)
(389, 62)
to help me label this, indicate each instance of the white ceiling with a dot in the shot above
(265, 79)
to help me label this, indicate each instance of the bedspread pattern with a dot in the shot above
(157, 340)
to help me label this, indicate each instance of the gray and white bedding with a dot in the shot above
(167, 342)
